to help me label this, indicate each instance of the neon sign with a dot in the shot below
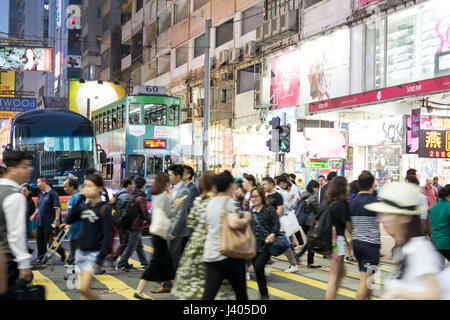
(434, 144)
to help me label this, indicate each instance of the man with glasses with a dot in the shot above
(13, 207)
(49, 211)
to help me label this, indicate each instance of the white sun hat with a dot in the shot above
(398, 198)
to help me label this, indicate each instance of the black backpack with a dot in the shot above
(301, 211)
(319, 236)
(126, 213)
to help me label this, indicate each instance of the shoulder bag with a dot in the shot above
(279, 245)
(235, 243)
(160, 225)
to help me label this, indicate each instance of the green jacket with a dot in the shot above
(440, 225)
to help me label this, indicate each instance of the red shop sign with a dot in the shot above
(410, 89)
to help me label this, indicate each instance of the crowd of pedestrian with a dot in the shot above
(332, 217)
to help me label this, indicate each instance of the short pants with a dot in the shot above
(85, 260)
(368, 256)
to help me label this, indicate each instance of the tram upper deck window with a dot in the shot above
(155, 113)
(174, 115)
(135, 113)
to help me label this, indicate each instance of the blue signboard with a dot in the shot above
(17, 104)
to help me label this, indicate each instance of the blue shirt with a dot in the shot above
(76, 228)
(47, 203)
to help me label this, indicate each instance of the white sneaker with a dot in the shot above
(250, 269)
(292, 269)
(247, 275)
(267, 272)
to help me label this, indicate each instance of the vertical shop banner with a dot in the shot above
(7, 83)
(415, 123)
(325, 67)
(227, 148)
(285, 82)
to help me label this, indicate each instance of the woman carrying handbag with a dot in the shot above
(160, 268)
(217, 265)
(266, 218)
(190, 278)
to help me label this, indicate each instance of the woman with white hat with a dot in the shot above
(420, 263)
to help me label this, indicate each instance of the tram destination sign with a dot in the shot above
(155, 144)
(434, 144)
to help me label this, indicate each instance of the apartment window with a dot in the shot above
(181, 55)
(246, 79)
(309, 3)
(251, 18)
(181, 11)
(139, 5)
(105, 60)
(199, 3)
(224, 33)
(164, 22)
(277, 7)
(105, 23)
(124, 17)
(163, 64)
(199, 46)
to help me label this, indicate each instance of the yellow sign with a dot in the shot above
(433, 140)
(6, 115)
(7, 83)
(99, 95)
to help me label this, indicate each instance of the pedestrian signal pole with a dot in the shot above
(207, 86)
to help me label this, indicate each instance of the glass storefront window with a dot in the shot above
(401, 47)
(375, 48)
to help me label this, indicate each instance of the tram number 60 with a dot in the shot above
(152, 89)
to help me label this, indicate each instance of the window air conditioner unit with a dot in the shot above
(267, 29)
(224, 56)
(288, 21)
(259, 33)
(235, 55)
(250, 48)
(227, 76)
(275, 25)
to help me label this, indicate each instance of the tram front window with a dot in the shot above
(154, 166)
(136, 166)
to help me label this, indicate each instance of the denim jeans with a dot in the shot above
(134, 244)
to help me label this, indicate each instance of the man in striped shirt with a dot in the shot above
(365, 231)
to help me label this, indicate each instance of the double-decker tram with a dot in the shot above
(140, 135)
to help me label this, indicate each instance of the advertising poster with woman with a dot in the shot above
(384, 163)
(26, 59)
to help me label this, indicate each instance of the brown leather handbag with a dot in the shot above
(236, 243)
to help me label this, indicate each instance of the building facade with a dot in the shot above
(327, 67)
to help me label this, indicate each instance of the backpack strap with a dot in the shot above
(103, 209)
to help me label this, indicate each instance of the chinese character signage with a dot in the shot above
(317, 163)
(7, 83)
(434, 144)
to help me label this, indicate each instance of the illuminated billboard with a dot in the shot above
(7, 83)
(26, 59)
(99, 95)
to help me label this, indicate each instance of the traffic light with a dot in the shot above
(285, 138)
(274, 142)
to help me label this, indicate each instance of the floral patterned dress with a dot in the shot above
(190, 278)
